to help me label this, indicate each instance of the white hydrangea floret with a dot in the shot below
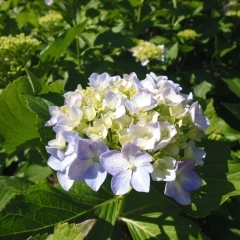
(163, 169)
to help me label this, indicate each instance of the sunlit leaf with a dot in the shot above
(72, 231)
(202, 89)
(17, 122)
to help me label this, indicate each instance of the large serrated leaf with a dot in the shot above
(41, 207)
(50, 55)
(160, 226)
(152, 216)
(17, 122)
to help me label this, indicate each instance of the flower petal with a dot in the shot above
(170, 175)
(78, 169)
(98, 147)
(129, 151)
(173, 189)
(64, 180)
(95, 176)
(54, 163)
(142, 158)
(190, 180)
(185, 165)
(84, 151)
(67, 161)
(141, 180)
(120, 183)
(113, 162)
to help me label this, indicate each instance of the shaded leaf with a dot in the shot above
(10, 186)
(234, 85)
(233, 108)
(40, 106)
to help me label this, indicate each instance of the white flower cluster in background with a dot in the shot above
(134, 130)
(145, 51)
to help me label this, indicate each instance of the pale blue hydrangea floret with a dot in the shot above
(186, 180)
(61, 160)
(87, 166)
(130, 168)
(130, 129)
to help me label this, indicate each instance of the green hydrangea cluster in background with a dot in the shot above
(187, 34)
(232, 9)
(146, 51)
(14, 54)
(50, 20)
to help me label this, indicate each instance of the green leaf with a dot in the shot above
(234, 85)
(39, 237)
(225, 220)
(185, 48)
(10, 186)
(219, 129)
(212, 116)
(41, 106)
(173, 51)
(202, 89)
(35, 83)
(41, 88)
(135, 3)
(36, 172)
(50, 55)
(152, 216)
(162, 226)
(73, 231)
(234, 108)
(41, 207)
(17, 122)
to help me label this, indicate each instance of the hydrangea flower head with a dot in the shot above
(136, 131)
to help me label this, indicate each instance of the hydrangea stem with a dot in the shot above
(122, 201)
